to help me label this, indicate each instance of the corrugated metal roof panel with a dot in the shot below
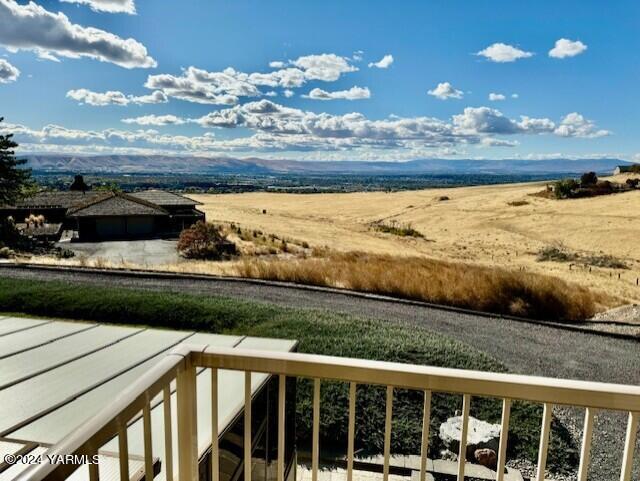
(35, 337)
(55, 425)
(28, 363)
(32, 397)
(9, 325)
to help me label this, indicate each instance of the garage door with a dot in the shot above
(139, 226)
(111, 227)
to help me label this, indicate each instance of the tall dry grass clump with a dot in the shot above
(468, 286)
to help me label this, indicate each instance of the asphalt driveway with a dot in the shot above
(141, 252)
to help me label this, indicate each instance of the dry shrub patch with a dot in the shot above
(396, 228)
(467, 286)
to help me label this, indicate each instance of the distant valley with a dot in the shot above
(140, 164)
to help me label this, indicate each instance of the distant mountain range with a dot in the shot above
(128, 164)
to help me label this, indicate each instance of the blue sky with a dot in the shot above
(353, 80)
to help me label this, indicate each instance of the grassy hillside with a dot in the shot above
(319, 332)
(495, 225)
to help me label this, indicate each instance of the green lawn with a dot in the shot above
(319, 332)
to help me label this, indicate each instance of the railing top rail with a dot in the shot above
(478, 383)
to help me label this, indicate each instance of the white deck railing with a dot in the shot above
(182, 363)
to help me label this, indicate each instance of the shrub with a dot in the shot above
(64, 253)
(6, 253)
(588, 178)
(633, 182)
(563, 189)
(205, 241)
(396, 228)
(556, 253)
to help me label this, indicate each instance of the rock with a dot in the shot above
(486, 457)
(480, 435)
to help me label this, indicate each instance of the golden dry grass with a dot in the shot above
(461, 285)
(487, 226)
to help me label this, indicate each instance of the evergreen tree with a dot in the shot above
(14, 181)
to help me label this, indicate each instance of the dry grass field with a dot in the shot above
(499, 225)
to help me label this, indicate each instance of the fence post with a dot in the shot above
(187, 421)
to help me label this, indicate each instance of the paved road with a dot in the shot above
(525, 348)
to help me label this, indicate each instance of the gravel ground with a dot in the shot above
(526, 348)
(629, 313)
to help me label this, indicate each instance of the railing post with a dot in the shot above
(187, 422)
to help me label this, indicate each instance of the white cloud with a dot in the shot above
(493, 142)
(354, 93)
(156, 120)
(108, 6)
(567, 48)
(494, 97)
(445, 91)
(536, 126)
(8, 73)
(384, 62)
(501, 53)
(575, 125)
(277, 64)
(515, 96)
(288, 93)
(31, 27)
(266, 127)
(226, 87)
(111, 97)
(357, 56)
(484, 120)
(327, 66)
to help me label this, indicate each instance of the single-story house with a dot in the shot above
(96, 216)
(623, 169)
(182, 210)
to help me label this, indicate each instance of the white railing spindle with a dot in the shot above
(247, 426)
(462, 454)
(629, 446)
(94, 470)
(148, 449)
(504, 437)
(585, 450)
(387, 432)
(426, 421)
(123, 452)
(544, 441)
(215, 454)
(168, 435)
(352, 430)
(315, 448)
(282, 392)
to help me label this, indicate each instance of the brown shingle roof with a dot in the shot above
(161, 197)
(116, 204)
(60, 200)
